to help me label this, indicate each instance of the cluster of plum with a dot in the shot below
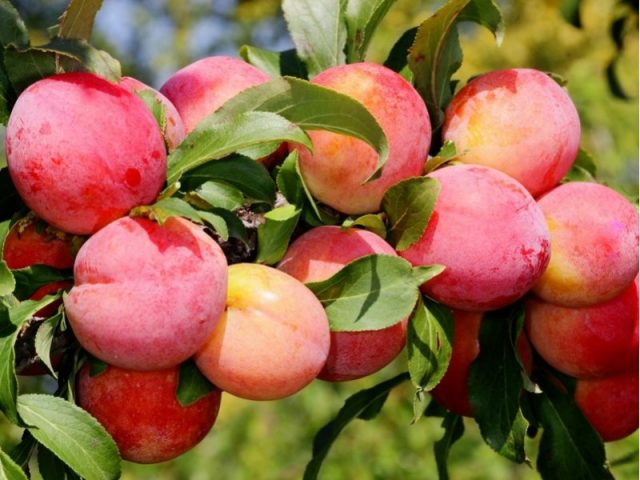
(147, 296)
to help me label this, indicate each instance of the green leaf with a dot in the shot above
(374, 222)
(96, 366)
(569, 446)
(44, 339)
(423, 274)
(496, 383)
(71, 434)
(436, 53)
(245, 174)
(429, 343)
(168, 207)
(583, 169)
(77, 20)
(50, 466)
(10, 470)
(26, 66)
(213, 140)
(7, 280)
(353, 407)
(453, 430)
(311, 107)
(8, 380)
(409, 205)
(22, 452)
(362, 18)
(221, 195)
(192, 384)
(78, 55)
(397, 59)
(29, 279)
(292, 185)
(22, 312)
(447, 154)
(12, 28)
(156, 107)
(274, 234)
(318, 31)
(274, 64)
(370, 293)
(217, 222)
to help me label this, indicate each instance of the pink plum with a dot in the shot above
(317, 255)
(519, 121)
(147, 296)
(610, 404)
(336, 170)
(174, 130)
(595, 341)
(594, 245)
(272, 340)
(82, 151)
(489, 233)
(142, 414)
(203, 86)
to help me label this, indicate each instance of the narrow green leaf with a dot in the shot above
(453, 431)
(26, 66)
(221, 195)
(10, 469)
(213, 141)
(156, 107)
(192, 384)
(29, 279)
(8, 380)
(12, 28)
(22, 312)
(569, 446)
(425, 273)
(448, 153)
(397, 59)
(274, 64)
(292, 185)
(496, 383)
(374, 222)
(44, 339)
(173, 207)
(409, 205)
(22, 452)
(583, 169)
(436, 53)
(274, 234)
(235, 227)
(311, 107)
(318, 31)
(370, 293)
(71, 434)
(7, 280)
(96, 366)
(362, 18)
(50, 466)
(217, 222)
(354, 406)
(245, 174)
(77, 20)
(429, 343)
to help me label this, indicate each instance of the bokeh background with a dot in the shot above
(272, 440)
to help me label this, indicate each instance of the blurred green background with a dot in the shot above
(272, 440)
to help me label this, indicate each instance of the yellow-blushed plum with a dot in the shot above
(272, 340)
